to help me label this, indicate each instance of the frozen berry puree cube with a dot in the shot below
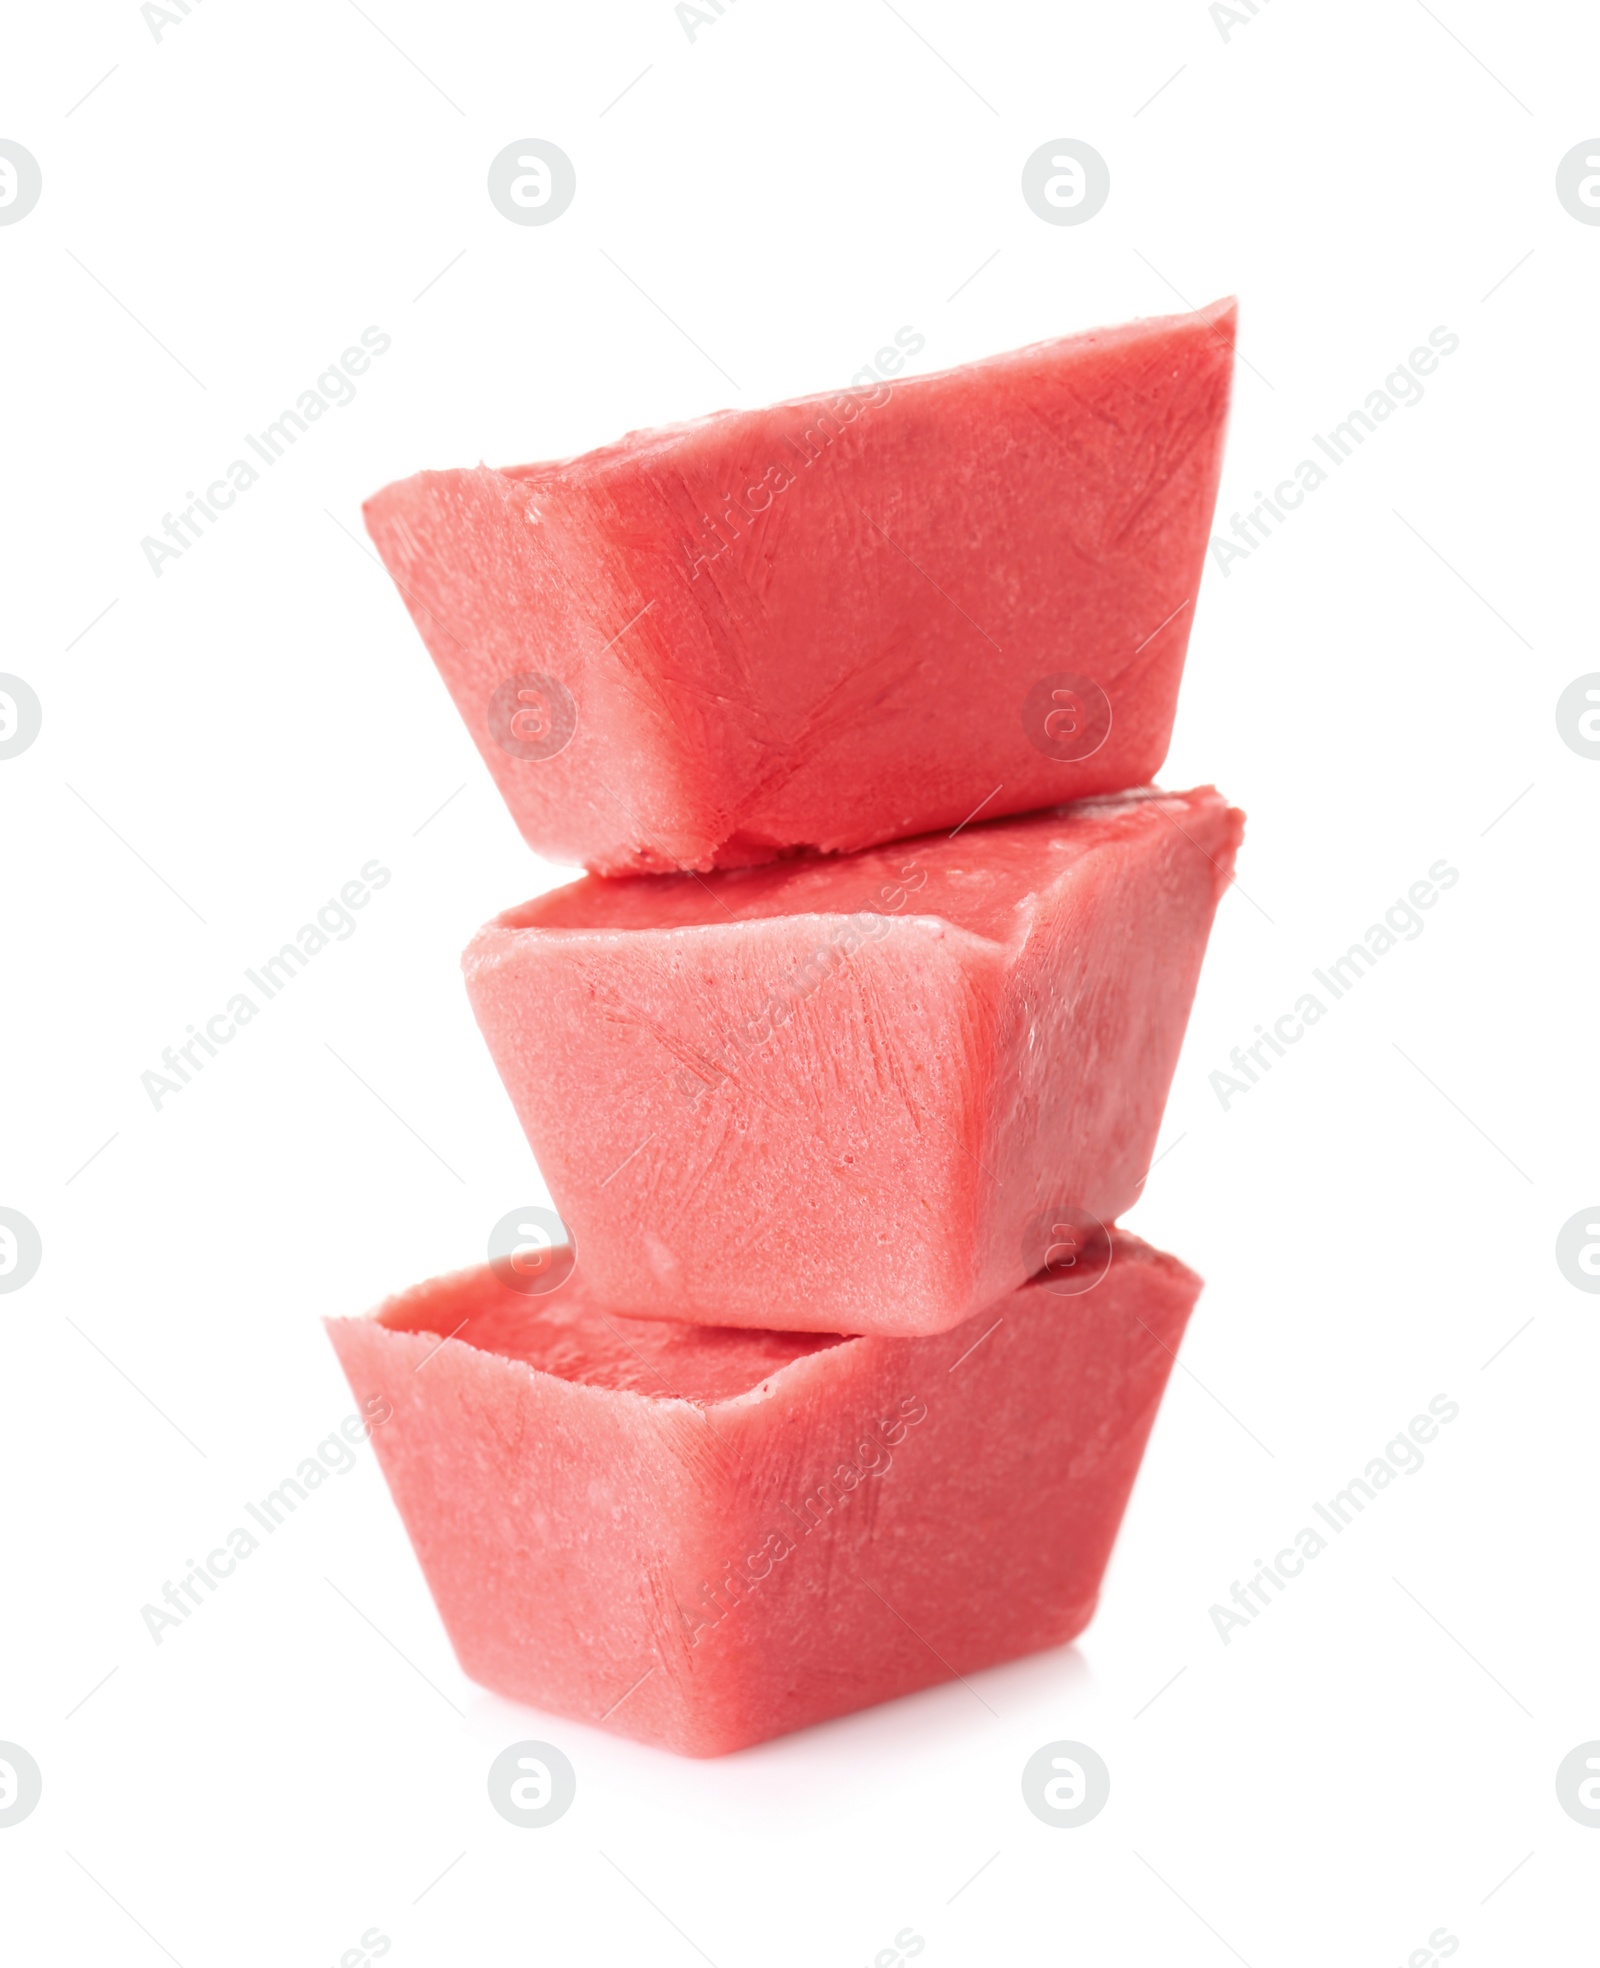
(835, 621)
(858, 1093)
(702, 1538)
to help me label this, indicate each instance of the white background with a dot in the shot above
(224, 748)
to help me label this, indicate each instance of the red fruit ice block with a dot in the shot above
(860, 1093)
(702, 1538)
(835, 621)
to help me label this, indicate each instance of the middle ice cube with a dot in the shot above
(861, 1094)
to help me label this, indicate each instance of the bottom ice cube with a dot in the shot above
(703, 1537)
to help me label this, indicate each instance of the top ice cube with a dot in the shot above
(838, 621)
